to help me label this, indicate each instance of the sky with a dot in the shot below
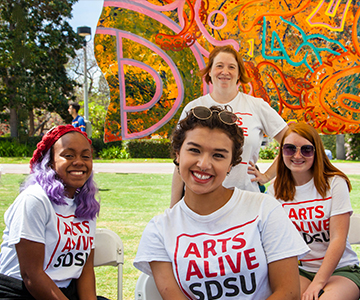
(86, 13)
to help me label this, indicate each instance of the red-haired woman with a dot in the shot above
(315, 195)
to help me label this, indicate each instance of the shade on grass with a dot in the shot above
(128, 202)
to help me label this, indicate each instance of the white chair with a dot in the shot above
(146, 289)
(354, 230)
(109, 251)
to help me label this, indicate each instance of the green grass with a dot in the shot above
(128, 202)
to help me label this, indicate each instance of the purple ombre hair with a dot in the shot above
(87, 205)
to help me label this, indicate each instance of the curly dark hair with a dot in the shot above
(234, 132)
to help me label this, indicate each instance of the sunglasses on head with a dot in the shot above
(205, 113)
(306, 150)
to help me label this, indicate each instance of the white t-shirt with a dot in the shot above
(225, 253)
(68, 240)
(310, 214)
(256, 117)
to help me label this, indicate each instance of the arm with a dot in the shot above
(339, 227)
(37, 282)
(82, 124)
(165, 281)
(177, 187)
(271, 171)
(284, 279)
(85, 284)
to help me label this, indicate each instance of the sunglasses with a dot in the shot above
(305, 151)
(205, 113)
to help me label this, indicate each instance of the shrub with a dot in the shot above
(329, 142)
(113, 153)
(98, 145)
(269, 152)
(159, 148)
(12, 148)
(353, 146)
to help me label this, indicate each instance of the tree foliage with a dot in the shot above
(36, 42)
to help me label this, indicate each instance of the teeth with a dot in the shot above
(200, 176)
(77, 173)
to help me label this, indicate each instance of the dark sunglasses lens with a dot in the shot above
(289, 149)
(202, 112)
(307, 150)
(228, 117)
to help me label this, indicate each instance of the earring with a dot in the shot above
(175, 162)
(177, 165)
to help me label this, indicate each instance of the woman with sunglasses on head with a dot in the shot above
(219, 243)
(315, 195)
(225, 71)
(48, 243)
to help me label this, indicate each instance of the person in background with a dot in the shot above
(78, 121)
(225, 71)
(48, 243)
(219, 243)
(315, 195)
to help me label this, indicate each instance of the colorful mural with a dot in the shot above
(303, 56)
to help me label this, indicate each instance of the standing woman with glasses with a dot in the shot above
(225, 71)
(315, 195)
(219, 243)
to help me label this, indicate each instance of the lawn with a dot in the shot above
(128, 202)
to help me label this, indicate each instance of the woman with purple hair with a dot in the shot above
(48, 243)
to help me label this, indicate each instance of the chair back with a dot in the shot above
(146, 289)
(354, 229)
(109, 251)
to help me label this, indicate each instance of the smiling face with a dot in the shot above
(299, 165)
(224, 72)
(204, 160)
(72, 161)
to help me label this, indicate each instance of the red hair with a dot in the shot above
(322, 168)
(243, 78)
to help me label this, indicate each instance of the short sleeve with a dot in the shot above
(272, 122)
(27, 219)
(279, 236)
(151, 247)
(340, 203)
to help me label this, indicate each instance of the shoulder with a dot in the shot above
(81, 119)
(203, 100)
(35, 195)
(257, 200)
(338, 182)
(32, 201)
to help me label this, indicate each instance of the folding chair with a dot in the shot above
(109, 251)
(146, 289)
(354, 230)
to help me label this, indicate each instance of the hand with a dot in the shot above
(259, 177)
(312, 292)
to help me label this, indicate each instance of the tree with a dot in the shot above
(36, 42)
(98, 90)
(75, 68)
